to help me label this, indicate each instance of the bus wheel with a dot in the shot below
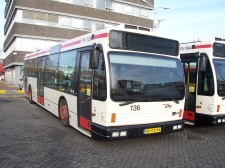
(30, 96)
(63, 112)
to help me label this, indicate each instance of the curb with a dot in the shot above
(2, 91)
(5, 91)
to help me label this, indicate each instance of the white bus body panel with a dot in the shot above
(150, 112)
(33, 83)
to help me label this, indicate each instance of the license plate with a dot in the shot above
(152, 130)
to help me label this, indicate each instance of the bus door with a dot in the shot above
(190, 71)
(84, 92)
(40, 80)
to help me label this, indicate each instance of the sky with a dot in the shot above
(190, 20)
(185, 20)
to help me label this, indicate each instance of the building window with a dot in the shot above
(87, 24)
(118, 7)
(109, 5)
(77, 23)
(28, 16)
(128, 9)
(99, 26)
(53, 20)
(100, 4)
(66, 21)
(144, 12)
(136, 11)
(78, 2)
(88, 3)
(41, 16)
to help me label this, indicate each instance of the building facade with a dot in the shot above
(32, 25)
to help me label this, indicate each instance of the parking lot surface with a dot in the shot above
(32, 137)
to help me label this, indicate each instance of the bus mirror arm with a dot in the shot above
(94, 57)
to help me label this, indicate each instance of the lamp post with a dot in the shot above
(155, 26)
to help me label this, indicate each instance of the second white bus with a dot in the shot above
(204, 67)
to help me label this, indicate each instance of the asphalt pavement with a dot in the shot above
(32, 137)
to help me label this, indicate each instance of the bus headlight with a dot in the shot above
(219, 120)
(176, 127)
(119, 134)
(179, 126)
(123, 133)
(115, 134)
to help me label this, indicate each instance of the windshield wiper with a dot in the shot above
(130, 102)
(126, 103)
(176, 101)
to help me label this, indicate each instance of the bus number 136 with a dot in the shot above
(135, 107)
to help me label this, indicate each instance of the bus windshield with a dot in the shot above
(142, 77)
(220, 75)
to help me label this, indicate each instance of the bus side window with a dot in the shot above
(99, 80)
(66, 71)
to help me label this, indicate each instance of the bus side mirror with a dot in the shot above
(94, 57)
(202, 62)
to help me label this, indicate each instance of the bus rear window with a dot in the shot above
(140, 42)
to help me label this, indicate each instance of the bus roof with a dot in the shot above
(89, 39)
(99, 36)
(198, 45)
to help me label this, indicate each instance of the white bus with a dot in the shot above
(204, 68)
(120, 82)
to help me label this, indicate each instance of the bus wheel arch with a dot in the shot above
(30, 95)
(63, 111)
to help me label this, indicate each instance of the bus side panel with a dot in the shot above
(51, 104)
(33, 83)
(51, 100)
(206, 105)
(98, 111)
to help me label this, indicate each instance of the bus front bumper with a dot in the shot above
(203, 119)
(121, 132)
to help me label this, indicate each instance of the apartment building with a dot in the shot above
(32, 25)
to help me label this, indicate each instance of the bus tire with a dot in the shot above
(30, 96)
(64, 112)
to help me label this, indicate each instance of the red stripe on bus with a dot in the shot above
(203, 46)
(85, 123)
(38, 54)
(103, 35)
(189, 115)
(71, 44)
(41, 100)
